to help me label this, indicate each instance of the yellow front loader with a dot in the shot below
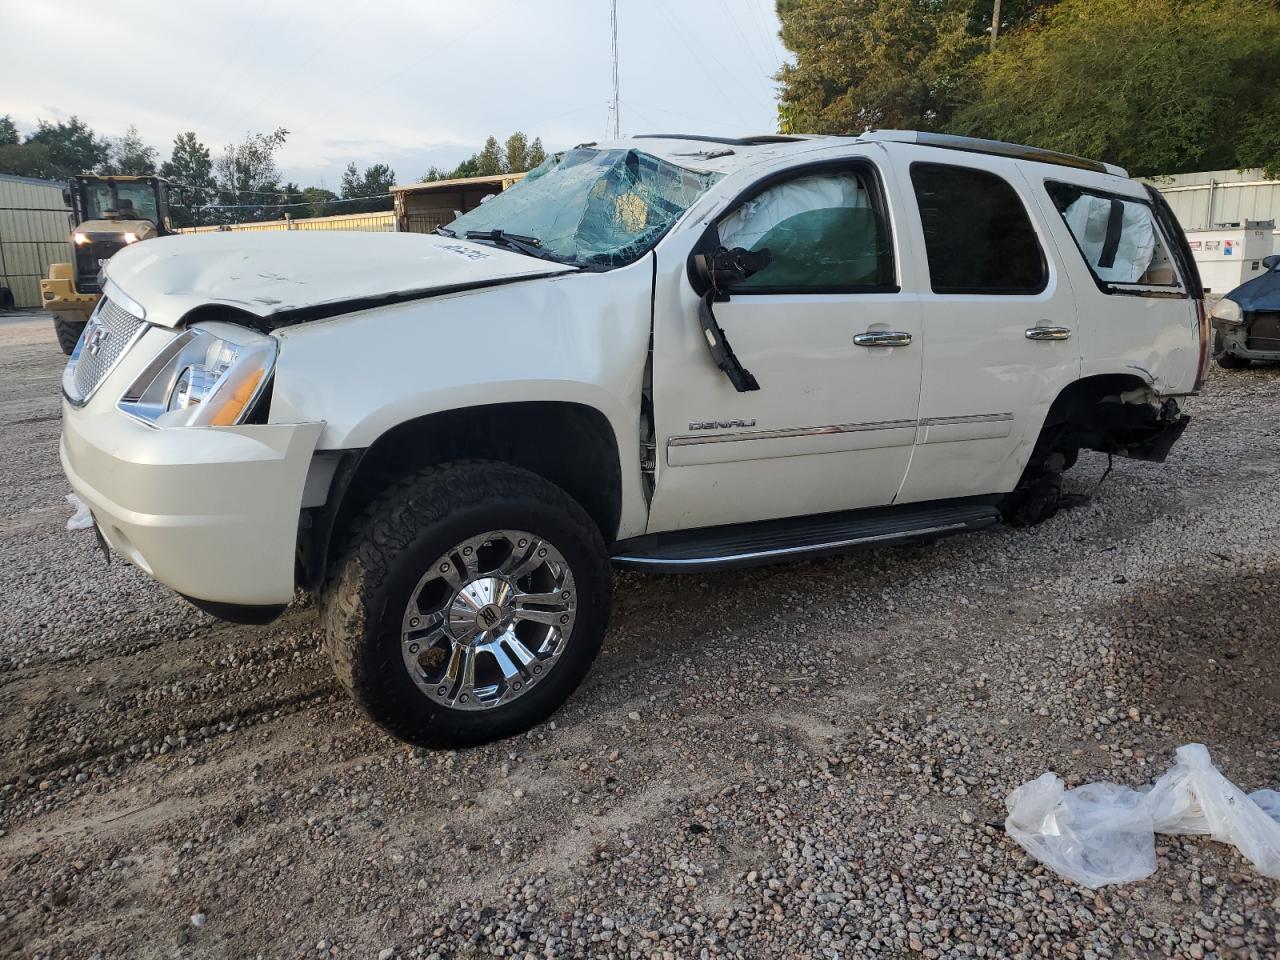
(108, 213)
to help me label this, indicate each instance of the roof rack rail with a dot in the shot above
(948, 141)
(754, 141)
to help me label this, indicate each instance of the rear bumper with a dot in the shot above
(210, 511)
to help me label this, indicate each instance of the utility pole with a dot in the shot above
(995, 23)
(613, 19)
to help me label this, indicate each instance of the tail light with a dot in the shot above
(1202, 370)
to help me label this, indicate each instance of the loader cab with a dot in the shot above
(111, 212)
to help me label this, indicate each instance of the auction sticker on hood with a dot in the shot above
(471, 253)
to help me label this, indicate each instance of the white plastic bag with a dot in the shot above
(1096, 834)
(1104, 833)
(1193, 797)
(82, 519)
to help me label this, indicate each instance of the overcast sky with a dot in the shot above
(410, 83)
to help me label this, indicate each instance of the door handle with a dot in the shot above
(1048, 333)
(882, 338)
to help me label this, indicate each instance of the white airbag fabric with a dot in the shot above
(1088, 217)
(1104, 833)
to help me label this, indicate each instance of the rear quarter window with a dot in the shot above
(1119, 239)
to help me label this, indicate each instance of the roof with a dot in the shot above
(488, 181)
(34, 181)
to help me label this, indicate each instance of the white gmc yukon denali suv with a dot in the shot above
(665, 353)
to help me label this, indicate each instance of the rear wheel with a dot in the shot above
(68, 333)
(471, 603)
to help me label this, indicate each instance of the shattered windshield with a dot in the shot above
(595, 208)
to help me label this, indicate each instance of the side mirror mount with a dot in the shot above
(1272, 262)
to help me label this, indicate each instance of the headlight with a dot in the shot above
(81, 238)
(130, 238)
(1227, 311)
(202, 380)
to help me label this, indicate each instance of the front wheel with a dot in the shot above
(68, 332)
(470, 605)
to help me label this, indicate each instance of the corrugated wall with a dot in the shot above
(1203, 200)
(383, 222)
(35, 231)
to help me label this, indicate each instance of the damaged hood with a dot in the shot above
(285, 277)
(1260, 293)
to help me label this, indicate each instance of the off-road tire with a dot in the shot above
(68, 332)
(1038, 495)
(389, 547)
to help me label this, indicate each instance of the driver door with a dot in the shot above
(832, 343)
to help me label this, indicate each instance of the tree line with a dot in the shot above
(241, 184)
(1158, 86)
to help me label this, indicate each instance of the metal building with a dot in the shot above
(35, 231)
(421, 207)
(1214, 198)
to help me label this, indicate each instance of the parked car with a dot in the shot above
(668, 353)
(1246, 322)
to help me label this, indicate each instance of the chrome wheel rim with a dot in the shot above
(488, 620)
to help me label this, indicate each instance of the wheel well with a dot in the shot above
(1112, 413)
(569, 444)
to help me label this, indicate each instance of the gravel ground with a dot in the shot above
(802, 761)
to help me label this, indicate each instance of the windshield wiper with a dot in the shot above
(530, 246)
(445, 232)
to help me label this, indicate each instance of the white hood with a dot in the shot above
(273, 272)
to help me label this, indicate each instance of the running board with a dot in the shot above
(796, 538)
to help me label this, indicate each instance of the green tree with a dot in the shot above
(247, 174)
(862, 64)
(72, 147)
(536, 153)
(320, 201)
(371, 190)
(190, 167)
(130, 155)
(516, 153)
(8, 131)
(489, 160)
(1158, 86)
(29, 160)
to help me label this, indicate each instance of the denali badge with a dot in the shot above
(720, 424)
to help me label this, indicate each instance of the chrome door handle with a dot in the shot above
(882, 338)
(1048, 333)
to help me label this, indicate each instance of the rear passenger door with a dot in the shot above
(999, 324)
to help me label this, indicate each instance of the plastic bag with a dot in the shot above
(1104, 833)
(82, 519)
(1096, 834)
(1194, 797)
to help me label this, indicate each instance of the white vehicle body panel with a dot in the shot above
(400, 327)
(272, 272)
(579, 338)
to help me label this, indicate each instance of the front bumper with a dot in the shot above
(210, 511)
(1251, 340)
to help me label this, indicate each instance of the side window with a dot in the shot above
(824, 232)
(977, 234)
(1117, 236)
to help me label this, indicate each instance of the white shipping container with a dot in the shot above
(1228, 256)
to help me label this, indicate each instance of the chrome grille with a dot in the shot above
(109, 333)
